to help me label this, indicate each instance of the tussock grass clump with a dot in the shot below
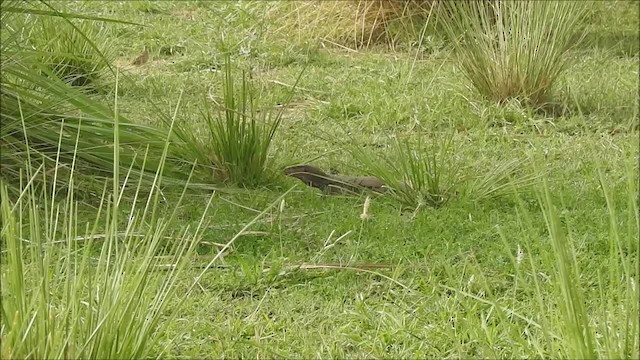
(67, 50)
(513, 49)
(79, 51)
(422, 174)
(60, 301)
(56, 124)
(430, 172)
(353, 23)
(80, 290)
(241, 133)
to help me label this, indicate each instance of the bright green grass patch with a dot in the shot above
(470, 293)
(74, 289)
(241, 135)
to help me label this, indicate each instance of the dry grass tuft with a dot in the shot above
(353, 23)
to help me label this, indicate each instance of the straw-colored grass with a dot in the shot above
(354, 23)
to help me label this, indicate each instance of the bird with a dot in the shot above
(142, 58)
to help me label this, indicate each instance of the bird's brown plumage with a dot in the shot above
(142, 58)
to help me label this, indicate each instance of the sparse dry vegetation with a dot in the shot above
(354, 23)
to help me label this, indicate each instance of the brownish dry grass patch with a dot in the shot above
(353, 23)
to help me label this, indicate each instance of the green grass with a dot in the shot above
(241, 132)
(514, 50)
(416, 174)
(92, 293)
(81, 64)
(482, 276)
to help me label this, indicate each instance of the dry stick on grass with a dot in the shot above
(300, 88)
(239, 205)
(362, 268)
(120, 234)
(304, 266)
(293, 267)
(341, 46)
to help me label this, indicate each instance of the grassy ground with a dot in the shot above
(454, 290)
